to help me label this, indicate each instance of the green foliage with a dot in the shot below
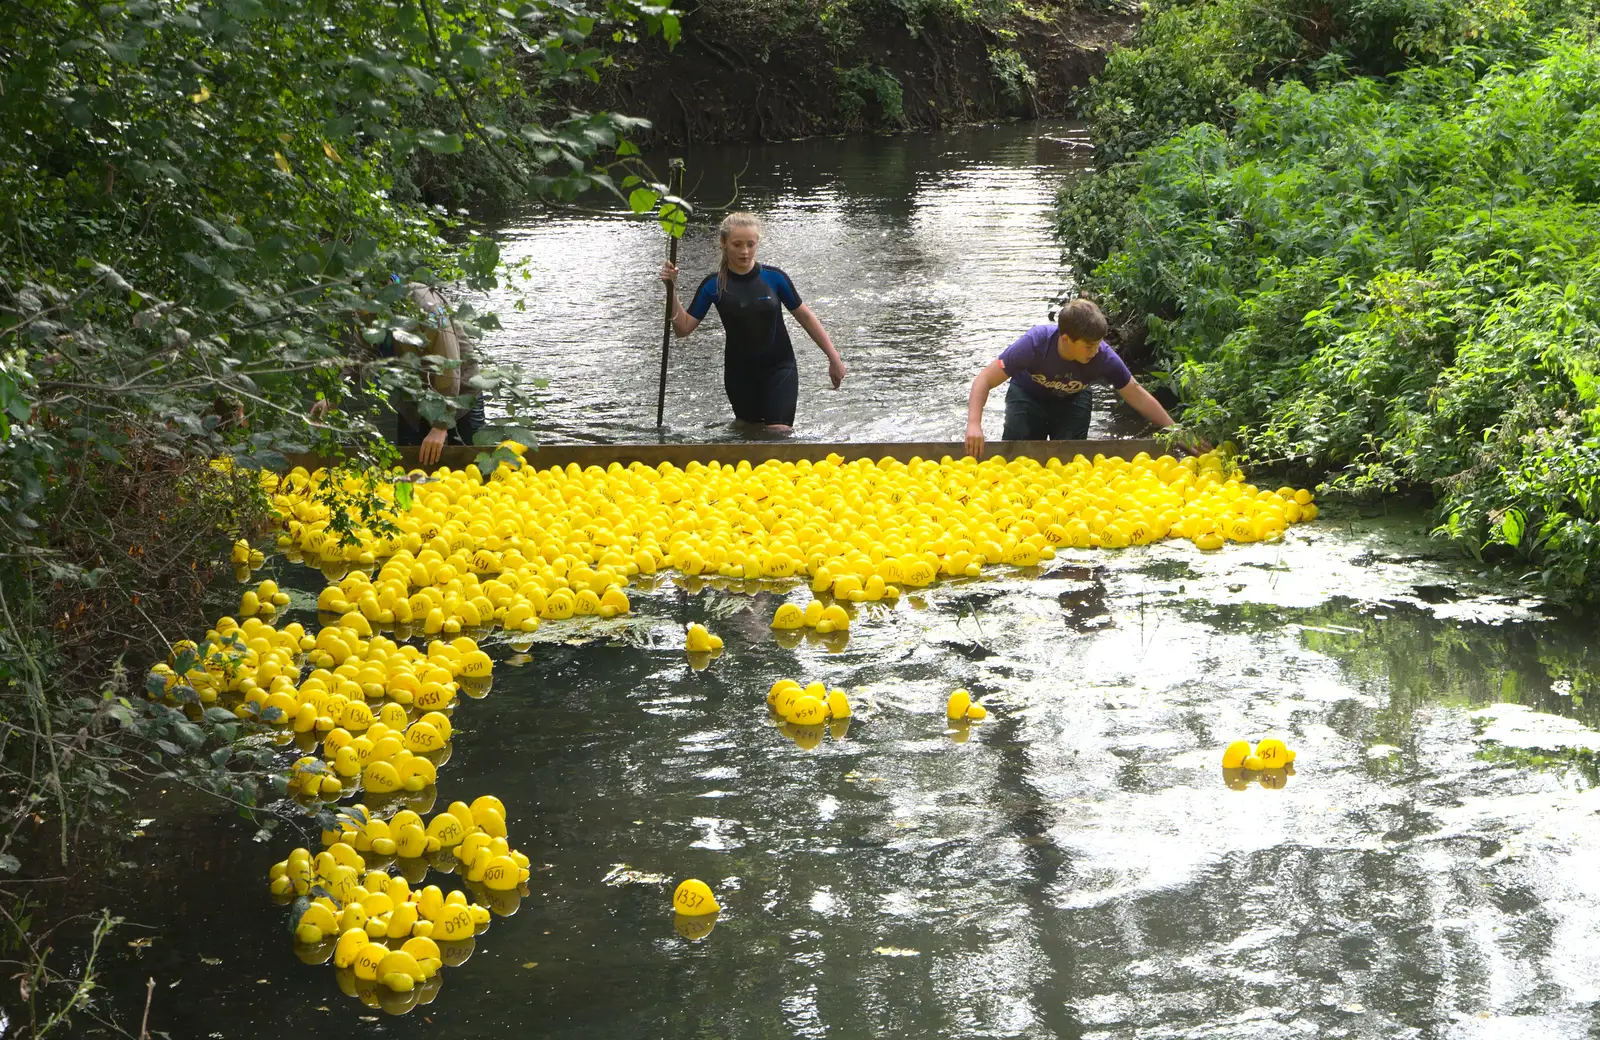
(49, 998)
(1016, 79)
(1093, 214)
(200, 197)
(1398, 283)
(1191, 58)
(868, 95)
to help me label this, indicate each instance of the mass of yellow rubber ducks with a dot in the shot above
(455, 554)
(529, 544)
(387, 941)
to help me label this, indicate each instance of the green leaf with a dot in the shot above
(1512, 525)
(403, 493)
(642, 200)
(439, 142)
(673, 220)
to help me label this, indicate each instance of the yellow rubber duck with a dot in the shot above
(701, 641)
(693, 898)
(788, 617)
(1270, 753)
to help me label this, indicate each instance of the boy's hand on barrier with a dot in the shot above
(975, 441)
(432, 446)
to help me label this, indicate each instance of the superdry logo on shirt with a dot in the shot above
(1072, 386)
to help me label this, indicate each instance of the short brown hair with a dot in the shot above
(1081, 320)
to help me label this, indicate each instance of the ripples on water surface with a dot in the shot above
(1077, 867)
(923, 255)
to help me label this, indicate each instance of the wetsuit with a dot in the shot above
(758, 369)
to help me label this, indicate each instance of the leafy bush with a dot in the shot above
(1399, 283)
(198, 197)
(1190, 60)
(870, 95)
(1017, 80)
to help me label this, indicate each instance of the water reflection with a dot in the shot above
(1073, 866)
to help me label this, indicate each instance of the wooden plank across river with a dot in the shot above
(757, 452)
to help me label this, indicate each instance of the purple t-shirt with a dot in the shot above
(1034, 364)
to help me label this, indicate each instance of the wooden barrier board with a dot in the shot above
(756, 452)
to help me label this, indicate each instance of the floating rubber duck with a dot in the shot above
(701, 641)
(693, 898)
(1268, 754)
(961, 707)
(788, 616)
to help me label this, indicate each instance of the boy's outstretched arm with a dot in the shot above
(1140, 400)
(991, 376)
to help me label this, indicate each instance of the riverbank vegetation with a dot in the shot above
(1366, 247)
(799, 68)
(198, 198)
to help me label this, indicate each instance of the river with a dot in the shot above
(924, 256)
(1076, 865)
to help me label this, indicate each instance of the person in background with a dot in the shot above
(758, 371)
(441, 338)
(1051, 368)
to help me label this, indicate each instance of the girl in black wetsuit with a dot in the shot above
(758, 363)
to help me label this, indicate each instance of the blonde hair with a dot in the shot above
(726, 228)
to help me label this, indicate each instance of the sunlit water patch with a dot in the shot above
(1074, 865)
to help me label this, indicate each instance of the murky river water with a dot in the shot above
(924, 256)
(1074, 866)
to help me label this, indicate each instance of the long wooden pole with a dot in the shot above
(675, 183)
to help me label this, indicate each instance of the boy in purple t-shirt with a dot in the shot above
(1051, 369)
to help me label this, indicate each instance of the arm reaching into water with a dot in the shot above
(683, 322)
(813, 325)
(992, 375)
(1140, 400)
